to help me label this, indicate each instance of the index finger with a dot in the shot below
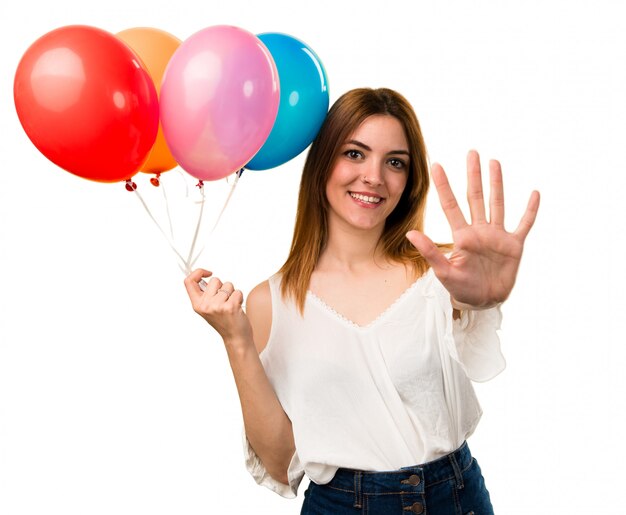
(192, 282)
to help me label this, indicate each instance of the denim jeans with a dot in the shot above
(450, 485)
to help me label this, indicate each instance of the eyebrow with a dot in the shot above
(365, 147)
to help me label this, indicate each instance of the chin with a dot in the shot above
(366, 225)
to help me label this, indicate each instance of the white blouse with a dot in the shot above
(394, 393)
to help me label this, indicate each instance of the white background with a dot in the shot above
(116, 398)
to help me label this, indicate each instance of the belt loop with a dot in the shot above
(457, 470)
(357, 489)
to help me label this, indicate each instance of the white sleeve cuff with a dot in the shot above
(475, 344)
(472, 340)
(263, 478)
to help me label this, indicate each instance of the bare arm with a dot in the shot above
(267, 426)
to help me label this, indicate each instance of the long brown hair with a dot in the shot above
(311, 227)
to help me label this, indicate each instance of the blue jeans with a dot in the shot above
(450, 485)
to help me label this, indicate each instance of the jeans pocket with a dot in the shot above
(474, 496)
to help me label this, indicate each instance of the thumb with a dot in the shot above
(429, 250)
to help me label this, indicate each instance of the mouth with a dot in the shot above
(366, 199)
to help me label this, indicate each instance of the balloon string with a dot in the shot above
(182, 175)
(185, 268)
(191, 265)
(230, 194)
(195, 236)
(167, 208)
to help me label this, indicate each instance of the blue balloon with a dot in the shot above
(303, 101)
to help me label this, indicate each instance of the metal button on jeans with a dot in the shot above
(416, 507)
(413, 480)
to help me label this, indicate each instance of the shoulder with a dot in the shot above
(259, 311)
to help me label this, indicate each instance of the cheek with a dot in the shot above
(332, 191)
(399, 183)
(329, 190)
(338, 180)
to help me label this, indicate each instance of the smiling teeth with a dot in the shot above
(363, 198)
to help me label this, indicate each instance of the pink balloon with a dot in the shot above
(219, 100)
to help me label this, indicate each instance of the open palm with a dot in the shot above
(481, 270)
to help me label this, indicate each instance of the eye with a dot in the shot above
(353, 154)
(397, 163)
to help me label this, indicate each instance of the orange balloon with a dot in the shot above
(155, 47)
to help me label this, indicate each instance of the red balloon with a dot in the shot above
(87, 103)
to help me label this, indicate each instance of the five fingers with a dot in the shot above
(476, 200)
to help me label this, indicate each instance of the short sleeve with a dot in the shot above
(472, 340)
(295, 473)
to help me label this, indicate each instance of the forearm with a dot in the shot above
(267, 426)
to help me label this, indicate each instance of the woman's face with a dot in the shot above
(369, 176)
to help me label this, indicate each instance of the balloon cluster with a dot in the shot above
(105, 106)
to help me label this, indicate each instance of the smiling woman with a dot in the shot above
(354, 363)
(368, 178)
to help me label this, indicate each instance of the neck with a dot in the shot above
(351, 249)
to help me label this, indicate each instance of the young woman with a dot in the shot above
(354, 362)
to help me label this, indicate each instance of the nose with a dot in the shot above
(373, 174)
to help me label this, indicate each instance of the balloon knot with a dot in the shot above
(200, 184)
(240, 173)
(155, 180)
(130, 185)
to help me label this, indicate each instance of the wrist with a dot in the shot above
(462, 306)
(237, 346)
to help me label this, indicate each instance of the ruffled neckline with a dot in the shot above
(382, 315)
